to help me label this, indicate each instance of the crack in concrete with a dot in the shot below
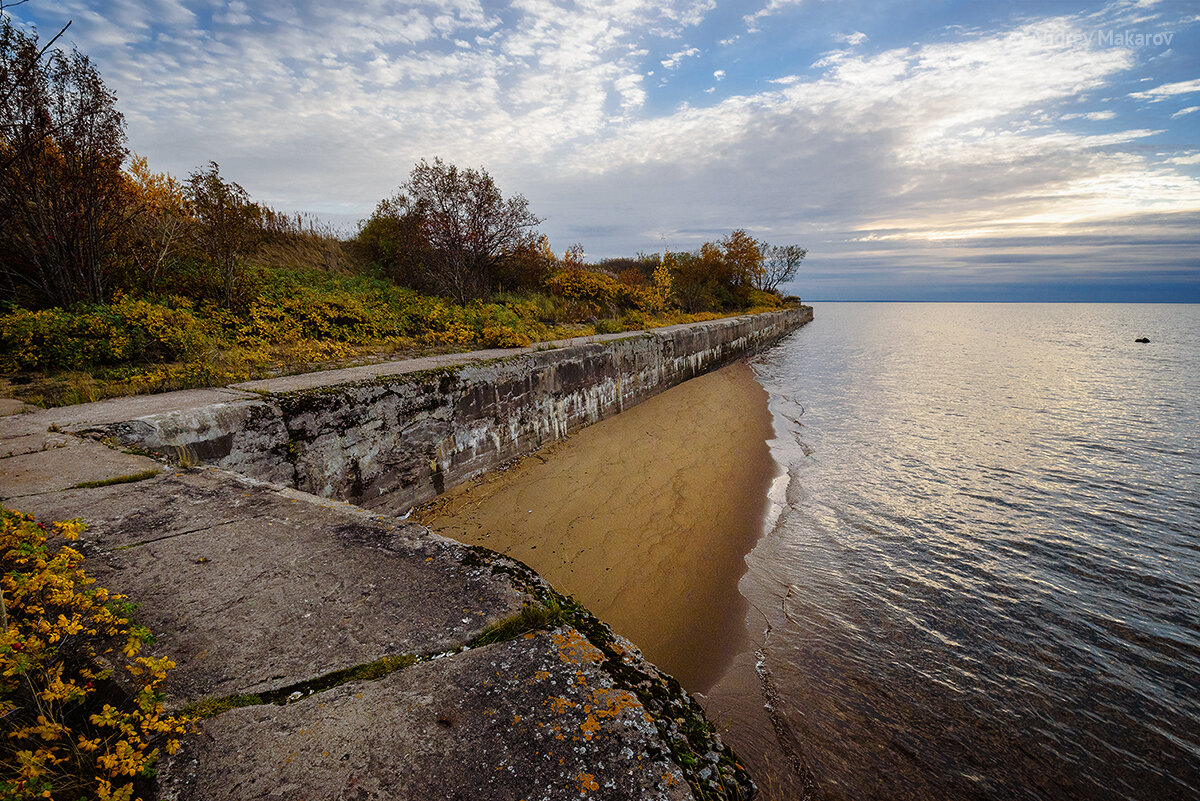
(189, 531)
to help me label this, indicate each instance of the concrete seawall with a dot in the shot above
(341, 648)
(391, 441)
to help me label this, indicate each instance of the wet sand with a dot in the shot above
(646, 518)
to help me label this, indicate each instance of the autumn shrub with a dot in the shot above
(636, 320)
(498, 326)
(609, 326)
(149, 330)
(596, 290)
(763, 300)
(81, 713)
(56, 338)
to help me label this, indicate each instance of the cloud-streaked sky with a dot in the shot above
(921, 149)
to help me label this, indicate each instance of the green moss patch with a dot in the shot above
(108, 482)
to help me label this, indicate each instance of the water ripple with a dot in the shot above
(989, 544)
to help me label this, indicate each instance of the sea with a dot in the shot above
(980, 577)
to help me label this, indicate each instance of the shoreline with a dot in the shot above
(645, 517)
(236, 520)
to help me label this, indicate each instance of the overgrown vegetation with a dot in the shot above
(546, 614)
(127, 479)
(81, 713)
(118, 280)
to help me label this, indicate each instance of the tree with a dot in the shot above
(695, 277)
(663, 290)
(527, 266)
(163, 218)
(392, 238)
(780, 266)
(469, 226)
(63, 197)
(225, 224)
(743, 259)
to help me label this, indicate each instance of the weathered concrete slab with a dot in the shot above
(115, 410)
(369, 372)
(258, 588)
(64, 462)
(33, 442)
(13, 406)
(250, 589)
(532, 718)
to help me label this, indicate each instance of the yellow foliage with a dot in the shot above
(576, 283)
(56, 626)
(663, 283)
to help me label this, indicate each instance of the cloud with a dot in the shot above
(866, 154)
(770, 9)
(675, 59)
(1169, 90)
(1091, 115)
(1183, 112)
(852, 39)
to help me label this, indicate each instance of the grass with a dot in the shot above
(211, 707)
(207, 708)
(532, 617)
(298, 321)
(108, 482)
(367, 672)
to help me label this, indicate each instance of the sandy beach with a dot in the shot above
(645, 518)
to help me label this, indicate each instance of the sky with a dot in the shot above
(920, 149)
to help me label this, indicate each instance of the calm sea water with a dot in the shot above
(984, 576)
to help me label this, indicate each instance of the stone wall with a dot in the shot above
(393, 441)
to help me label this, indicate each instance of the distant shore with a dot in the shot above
(645, 517)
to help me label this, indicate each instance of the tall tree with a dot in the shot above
(743, 257)
(392, 238)
(63, 197)
(469, 226)
(780, 266)
(225, 224)
(163, 217)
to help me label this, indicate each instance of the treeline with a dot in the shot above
(82, 225)
(142, 281)
(450, 231)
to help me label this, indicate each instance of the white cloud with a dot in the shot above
(942, 142)
(675, 59)
(1183, 112)
(1169, 90)
(770, 9)
(1091, 115)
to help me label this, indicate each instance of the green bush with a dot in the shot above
(146, 330)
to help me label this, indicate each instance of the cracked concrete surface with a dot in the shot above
(254, 587)
(531, 718)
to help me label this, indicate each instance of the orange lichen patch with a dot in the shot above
(668, 780)
(574, 648)
(541, 675)
(560, 705)
(606, 703)
(587, 783)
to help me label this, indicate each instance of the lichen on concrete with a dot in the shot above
(336, 648)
